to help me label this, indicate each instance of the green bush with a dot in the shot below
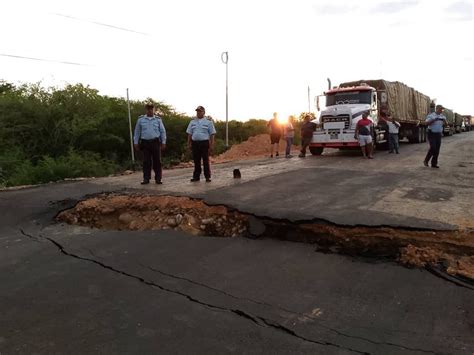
(72, 165)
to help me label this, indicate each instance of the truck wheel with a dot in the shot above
(416, 136)
(316, 150)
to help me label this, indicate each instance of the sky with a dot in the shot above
(171, 50)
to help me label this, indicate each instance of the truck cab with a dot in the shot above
(344, 108)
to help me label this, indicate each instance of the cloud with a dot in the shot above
(330, 9)
(391, 7)
(460, 11)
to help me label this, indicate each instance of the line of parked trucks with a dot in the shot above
(346, 103)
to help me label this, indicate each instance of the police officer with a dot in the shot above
(435, 121)
(150, 137)
(201, 134)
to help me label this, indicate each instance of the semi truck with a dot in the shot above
(346, 103)
(449, 128)
(458, 123)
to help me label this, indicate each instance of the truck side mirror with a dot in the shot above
(383, 97)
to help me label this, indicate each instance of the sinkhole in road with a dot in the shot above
(453, 249)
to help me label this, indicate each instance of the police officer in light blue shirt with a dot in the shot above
(150, 137)
(435, 121)
(201, 134)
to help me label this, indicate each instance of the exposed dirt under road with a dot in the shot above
(454, 250)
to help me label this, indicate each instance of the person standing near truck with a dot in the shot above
(363, 134)
(435, 121)
(275, 134)
(393, 128)
(307, 129)
(150, 138)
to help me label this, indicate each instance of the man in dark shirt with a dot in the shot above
(275, 134)
(307, 129)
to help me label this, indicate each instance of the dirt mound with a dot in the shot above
(254, 147)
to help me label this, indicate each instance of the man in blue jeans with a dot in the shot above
(393, 128)
(435, 121)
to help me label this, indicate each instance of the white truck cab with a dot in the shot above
(338, 120)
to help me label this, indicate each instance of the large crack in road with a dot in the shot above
(256, 319)
(238, 312)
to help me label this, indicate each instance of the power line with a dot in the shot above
(41, 59)
(102, 24)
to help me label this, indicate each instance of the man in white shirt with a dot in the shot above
(393, 128)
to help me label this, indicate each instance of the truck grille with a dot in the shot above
(338, 118)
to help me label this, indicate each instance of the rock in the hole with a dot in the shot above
(125, 218)
(171, 222)
(191, 219)
(107, 210)
(178, 218)
(207, 221)
(256, 228)
(188, 228)
(134, 225)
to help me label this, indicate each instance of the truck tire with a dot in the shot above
(316, 150)
(417, 136)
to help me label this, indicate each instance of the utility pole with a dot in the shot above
(225, 60)
(130, 128)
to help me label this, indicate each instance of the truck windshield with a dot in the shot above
(348, 97)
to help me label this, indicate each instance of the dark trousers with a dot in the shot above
(435, 144)
(305, 141)
(393, 144)
(151, 156)
(200, 151)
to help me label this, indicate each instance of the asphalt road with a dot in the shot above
(69, 289)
